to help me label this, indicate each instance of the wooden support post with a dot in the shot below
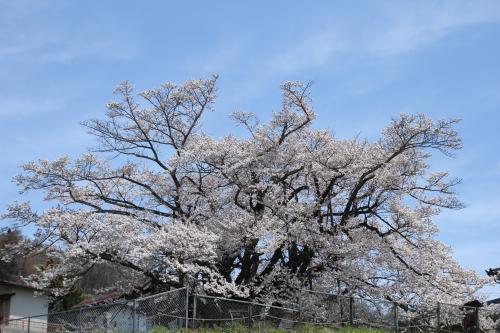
(478, 322)
(250, 315)
(438, 317)
(351, 311)
(187, 307)
(194, 311)
(299, 300)
(134, 316)
(396, 317)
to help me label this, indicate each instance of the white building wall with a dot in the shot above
(24, 303)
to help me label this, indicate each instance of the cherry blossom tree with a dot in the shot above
(286, 206)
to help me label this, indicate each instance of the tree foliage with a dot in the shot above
(12, 268)
(286, 206)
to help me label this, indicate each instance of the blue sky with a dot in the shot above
(59, 61)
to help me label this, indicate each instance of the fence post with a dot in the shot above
(341, 307)
(396, 318)
(300, 305)
(29, 322)
(351, 310)
(438, 317)
(250, 316)
(187, 307)
(134, 316)
(79, 320)
(478, 322)
(194, 310)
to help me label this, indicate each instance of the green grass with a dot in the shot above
(265, 328)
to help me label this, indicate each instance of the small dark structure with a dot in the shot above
(471, 316)
(495, 273)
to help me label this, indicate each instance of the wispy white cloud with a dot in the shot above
(333, 42)
(19, 108)
(416, 24)
(25, 36)
(478, 214)
(393, 29)
(468, 252)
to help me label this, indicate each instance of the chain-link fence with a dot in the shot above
(210, 312)
(168, 309)
(324, 308)
(338, 310)
(454, 318)
(182, 309)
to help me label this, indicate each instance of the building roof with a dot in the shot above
(474, 304)
(493, 301)
(101, 299)
(18, 285)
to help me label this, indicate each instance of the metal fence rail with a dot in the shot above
(182, 309)
(209, 312)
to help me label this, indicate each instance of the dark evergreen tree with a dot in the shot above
(11, 270)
